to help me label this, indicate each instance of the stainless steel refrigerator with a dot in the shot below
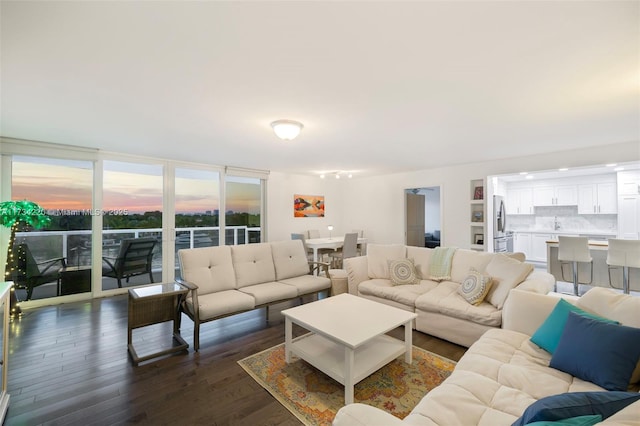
(502, 239)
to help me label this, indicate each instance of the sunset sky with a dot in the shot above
(62, 184)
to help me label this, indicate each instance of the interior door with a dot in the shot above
(415, 219)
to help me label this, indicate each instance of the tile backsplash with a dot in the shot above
(567, 217)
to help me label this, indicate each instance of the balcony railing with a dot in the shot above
(76, 245)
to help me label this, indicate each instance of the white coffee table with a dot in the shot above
(347, 340)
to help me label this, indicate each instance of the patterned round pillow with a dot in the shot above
(402, 272)
(475, 287)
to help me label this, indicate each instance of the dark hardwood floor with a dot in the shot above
(69, 365)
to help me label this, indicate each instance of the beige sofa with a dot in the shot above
(503, 373)
(442, 312)
(227, 280)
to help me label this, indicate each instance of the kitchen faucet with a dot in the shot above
(556, 225)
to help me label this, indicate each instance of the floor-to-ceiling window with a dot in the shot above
(243, 208)
(131, 210)
(56, 258)
(98, 203)
(197, 209)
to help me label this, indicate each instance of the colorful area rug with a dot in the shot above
(315, 398)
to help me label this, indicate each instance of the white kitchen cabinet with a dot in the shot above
(519, 201)
(629, 217)
(629, 183)
(559, 195)
(539, 247)
(598, 198)
(522, 242)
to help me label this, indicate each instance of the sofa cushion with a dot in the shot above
(223, 302)
(289, 259)
(464, 259)
(507, 273)
(548, 335)
(402, 272)
(378, 256)
(573, 404)
(253, 264)
(306, 284)
(587, 345)
(210, 268)
(405, 294)
(475, 287)
(444, 299)
(421, 259)
(270, 292)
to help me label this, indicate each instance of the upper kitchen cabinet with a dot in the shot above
(629, 205)
(519, 201)
(558, 195)
(597, 198)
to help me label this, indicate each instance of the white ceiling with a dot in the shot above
(380, 86)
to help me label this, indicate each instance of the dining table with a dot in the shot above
(331, 243)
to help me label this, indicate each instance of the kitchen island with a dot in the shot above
(598, 250)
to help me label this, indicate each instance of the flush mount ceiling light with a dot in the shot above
(287, 129)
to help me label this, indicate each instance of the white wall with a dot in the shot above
(280, 191)
(376, 204)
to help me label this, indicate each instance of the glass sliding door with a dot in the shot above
(243, 210)
(132, 224)
(197, 209)
(55, 260)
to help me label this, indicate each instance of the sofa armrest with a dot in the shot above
(357, 271)
(364, 415)
(525, 311)
(193, 292)
(538, 282)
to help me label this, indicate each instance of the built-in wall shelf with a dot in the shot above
(477, 214)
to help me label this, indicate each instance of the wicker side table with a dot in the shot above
(154, 304)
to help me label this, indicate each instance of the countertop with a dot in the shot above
(585, 232)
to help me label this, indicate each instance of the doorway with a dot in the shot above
(423, 217)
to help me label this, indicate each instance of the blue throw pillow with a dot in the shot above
(572, 421)
(574, 404)
(548, 334)
(603, 353)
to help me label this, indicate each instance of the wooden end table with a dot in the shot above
(153, 304)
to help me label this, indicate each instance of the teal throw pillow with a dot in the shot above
(548, 334)
(602, 353)
(572, 421)
(570, 405)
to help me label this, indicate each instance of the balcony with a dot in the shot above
(76, 248)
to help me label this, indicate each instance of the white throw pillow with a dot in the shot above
(507, 273)
(474, 287)
(402, 272)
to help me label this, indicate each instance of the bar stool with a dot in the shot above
(571, 251)
(623, 254)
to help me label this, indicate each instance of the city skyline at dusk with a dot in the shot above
(67, 185)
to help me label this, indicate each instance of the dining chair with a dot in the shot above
(313, 233)
(307, 250)
(349, 249)
(623, 254)
(571, 251)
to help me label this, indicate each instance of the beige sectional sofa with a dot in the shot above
(442, 312)
(503, 373)
(227, 280)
